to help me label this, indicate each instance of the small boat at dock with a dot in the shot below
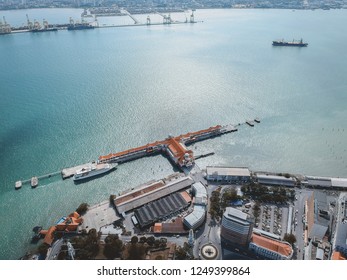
(18, 185)
(250, 123)
(34, 182)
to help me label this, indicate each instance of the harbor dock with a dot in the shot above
(174, 147)
(36, 27)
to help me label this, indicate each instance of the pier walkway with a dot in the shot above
(174, 147)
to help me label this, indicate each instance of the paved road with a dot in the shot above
(55, 250)
(340, 207)
(297, 224)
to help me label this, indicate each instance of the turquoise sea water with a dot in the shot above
(68, 97)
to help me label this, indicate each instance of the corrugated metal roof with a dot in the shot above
(156, 210)
(235, 213)
(339, 182)
(227, 171)
(146, 197)
(318, 181)
(341, 236)
(318, 231)
(273, 179)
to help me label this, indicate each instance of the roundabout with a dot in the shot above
(209, 252)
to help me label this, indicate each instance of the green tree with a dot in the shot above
(183, 253)
(290, 238)
(150, 241)
(256, 211)
(136, 251)
(87, 246)
(42, 249)
(143, 239)
(112, 198)
(228, 196)
(134, 239)
(82, 208)
(113, 247)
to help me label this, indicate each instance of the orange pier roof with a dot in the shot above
(173, 144)
(272, 245)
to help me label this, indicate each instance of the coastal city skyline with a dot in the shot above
(162, 5)
(210, 134)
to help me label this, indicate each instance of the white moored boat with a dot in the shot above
(92, 170)
(34, 182)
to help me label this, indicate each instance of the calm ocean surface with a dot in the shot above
(68, 97)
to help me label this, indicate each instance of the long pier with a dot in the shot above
(64, 26)
(175, 147)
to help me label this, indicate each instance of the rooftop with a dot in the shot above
(195, 216)
(154, 191)
(341, 236)
(337, 256)
(227, 171)
(175, 227)
(339, 182)
(275, 177)
(279, 247)
(231, 212)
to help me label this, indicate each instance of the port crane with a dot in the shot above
(130, 15)
(148, 20)
(45, 24)
(37, 25)
(166, 19)
(191, 20)
(4, 27)
(192, 17)
(30, 24)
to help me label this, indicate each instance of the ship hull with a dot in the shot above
(82, 27)
(92, 173)
(289, 44)
(44, 30)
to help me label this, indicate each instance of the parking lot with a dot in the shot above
(273, 219)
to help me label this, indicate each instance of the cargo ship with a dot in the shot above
(92, 170)
(79, 26)
(290, 44)
(44, 29)
(4, 32)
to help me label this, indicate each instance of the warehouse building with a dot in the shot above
(232, 175)
(160, 209)
(274, 180)
(151, 192)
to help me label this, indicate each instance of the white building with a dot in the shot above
(228, 174)
(197, 217)
(236, 227)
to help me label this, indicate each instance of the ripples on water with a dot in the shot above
(68, 97)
